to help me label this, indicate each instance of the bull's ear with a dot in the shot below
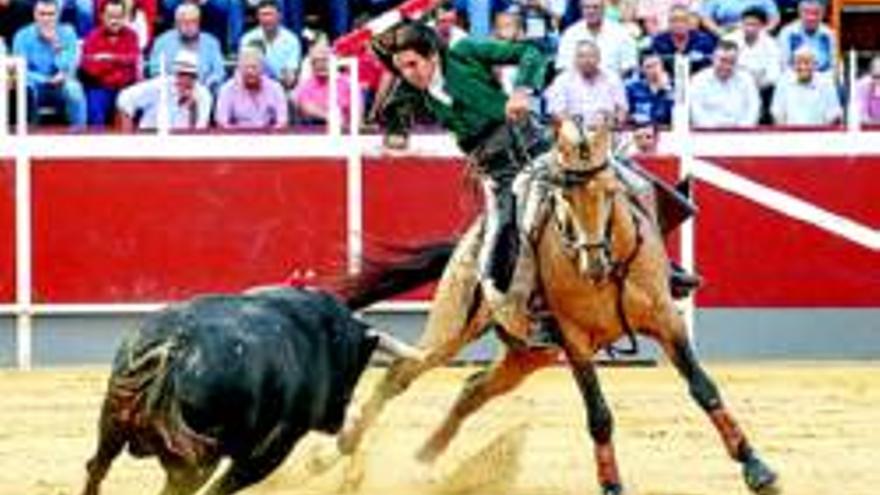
(371, 343)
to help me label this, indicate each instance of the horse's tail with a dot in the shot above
(406, 269)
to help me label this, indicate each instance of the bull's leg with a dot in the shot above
(758, 476)
(111, 440)
(258, 464)
(599, 421)
(186, 479)
(481, 387)
(455, 320)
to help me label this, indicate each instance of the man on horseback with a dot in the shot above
(457, 85)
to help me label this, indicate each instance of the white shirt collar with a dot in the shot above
(437, 88)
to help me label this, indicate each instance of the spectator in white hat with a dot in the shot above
(188, 102)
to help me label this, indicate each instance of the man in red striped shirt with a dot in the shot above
(110, 62)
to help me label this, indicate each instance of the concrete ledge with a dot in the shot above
(721, 334)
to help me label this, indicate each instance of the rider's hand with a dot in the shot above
(517, 105)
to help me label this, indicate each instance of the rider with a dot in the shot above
(457, 84)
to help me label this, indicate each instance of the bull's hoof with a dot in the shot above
(321, 459)
(612, 489)
(759, 477)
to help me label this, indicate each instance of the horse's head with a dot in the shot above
(585, 192)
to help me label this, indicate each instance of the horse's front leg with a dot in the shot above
(599, 419)
(481, 387)
(757, 475)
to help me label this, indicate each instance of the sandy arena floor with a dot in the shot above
(818, 425)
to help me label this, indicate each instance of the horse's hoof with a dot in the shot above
(759, 477)
(426, 456)
(612, 489)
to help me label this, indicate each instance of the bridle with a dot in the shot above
(576, 239)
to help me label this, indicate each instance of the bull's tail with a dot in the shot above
(406, 269)
(142, 397)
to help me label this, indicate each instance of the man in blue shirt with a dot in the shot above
(682, 38)
(720, 17)
(51, 53)
(809, 30)
(650, 96)
(188, 36)
(280, 46)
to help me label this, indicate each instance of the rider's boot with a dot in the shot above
(672, 206)
(502, 245)
(681, 282)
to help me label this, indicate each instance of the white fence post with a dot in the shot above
(163, 117)
(23, 226)
(355, 172)
(5, 64)
(853, 117)
(334, 119)
(682, 133)
(351, 143)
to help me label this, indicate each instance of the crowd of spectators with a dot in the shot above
(249, 64)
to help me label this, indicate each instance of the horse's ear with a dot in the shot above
(601, 142)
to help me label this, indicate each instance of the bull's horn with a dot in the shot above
(395, 347)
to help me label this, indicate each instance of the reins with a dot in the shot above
(620, 269)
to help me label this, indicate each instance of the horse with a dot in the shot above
(601, 265)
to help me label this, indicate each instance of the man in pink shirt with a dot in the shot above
(587, 91)
(251, 99)
(311, 98)
(868, 94)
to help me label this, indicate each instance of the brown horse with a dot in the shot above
(603, 270)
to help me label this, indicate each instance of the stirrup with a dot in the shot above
(681, 283)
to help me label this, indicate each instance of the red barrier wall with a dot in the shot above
(7, 231)
(407, 201)
(753, 257)
(129, 231)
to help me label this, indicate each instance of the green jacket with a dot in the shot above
(478, 100)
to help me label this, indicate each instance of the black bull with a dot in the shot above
(244, 377)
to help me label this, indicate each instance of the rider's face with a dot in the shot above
(416, 69)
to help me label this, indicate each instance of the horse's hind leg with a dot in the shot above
(758, 476)
(480, 388)
(599, 420)
(402, 373)
(111, 440)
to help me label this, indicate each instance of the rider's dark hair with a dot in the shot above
(417, 37)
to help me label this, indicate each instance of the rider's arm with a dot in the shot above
(531, 64)
(398, 110)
